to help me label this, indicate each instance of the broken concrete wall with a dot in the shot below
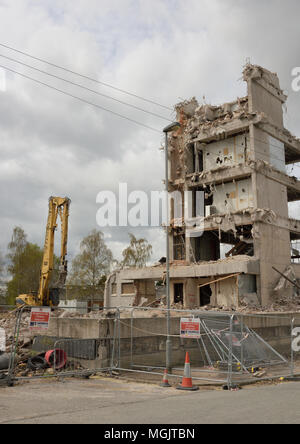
(227, 294)
(121, 292)
(277, 154)
(229, 152)
(191, 294)
(113, 294)
(271, 243)
(264, 93)
(145, 293)
(273, 249)
(233, 196)
(284, 288)
(267, 148)
(269, 194)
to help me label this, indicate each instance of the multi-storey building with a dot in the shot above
(237, 155)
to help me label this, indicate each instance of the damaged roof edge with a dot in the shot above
(191, 109)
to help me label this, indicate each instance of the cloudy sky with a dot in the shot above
(163, 50)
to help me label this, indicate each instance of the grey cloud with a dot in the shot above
(164, 50)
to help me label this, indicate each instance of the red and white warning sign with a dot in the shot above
(39, 318)
(190, 328)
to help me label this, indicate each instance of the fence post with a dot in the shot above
(242, 343)
(14, 345)
(114, 343)
(292, 349)
(119, 339)
(229, 381)
(131, 338)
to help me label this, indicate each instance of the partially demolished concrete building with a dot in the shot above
(237, 154)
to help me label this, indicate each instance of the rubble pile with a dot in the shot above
(29, 363)
(282, 306)
(195, 117)
(8, 323)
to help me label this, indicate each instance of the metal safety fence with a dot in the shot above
(69, 343)
(228, 348)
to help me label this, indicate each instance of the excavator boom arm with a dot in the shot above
(58, 207)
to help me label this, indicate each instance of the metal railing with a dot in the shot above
(59, 351)
(231, 348)
(227, 350)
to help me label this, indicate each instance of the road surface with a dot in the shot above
(110, 401)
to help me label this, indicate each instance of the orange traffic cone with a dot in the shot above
(187, 383)
(165, 382)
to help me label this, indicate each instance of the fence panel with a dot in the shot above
(71, 345)
(143, 340)
(230, 348)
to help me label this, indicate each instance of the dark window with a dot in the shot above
(178, 293)
(197, 158)
(205, 295)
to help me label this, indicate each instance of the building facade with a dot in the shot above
(236, 156)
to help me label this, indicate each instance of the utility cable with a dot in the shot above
(86, 77)
(86, 88)
(80, 99)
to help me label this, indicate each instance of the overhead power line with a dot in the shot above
(79, 98)
(105, 109)
(86, 77)
(85, 88)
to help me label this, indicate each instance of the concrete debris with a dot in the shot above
(7, 322)
(208, 117)
(28, 364)
(187, 108)
(285, 291)
(197, 115)
(257, 73)
(250, 299)
(260, 374)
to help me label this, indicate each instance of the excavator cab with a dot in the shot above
(46, 296)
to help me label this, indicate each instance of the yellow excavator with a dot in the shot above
(46, 296)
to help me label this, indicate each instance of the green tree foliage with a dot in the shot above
(16, 248)
(137, 254)
(90, 267)
(24, 267)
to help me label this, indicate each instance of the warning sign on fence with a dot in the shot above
(190, 328)
(39, 318)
